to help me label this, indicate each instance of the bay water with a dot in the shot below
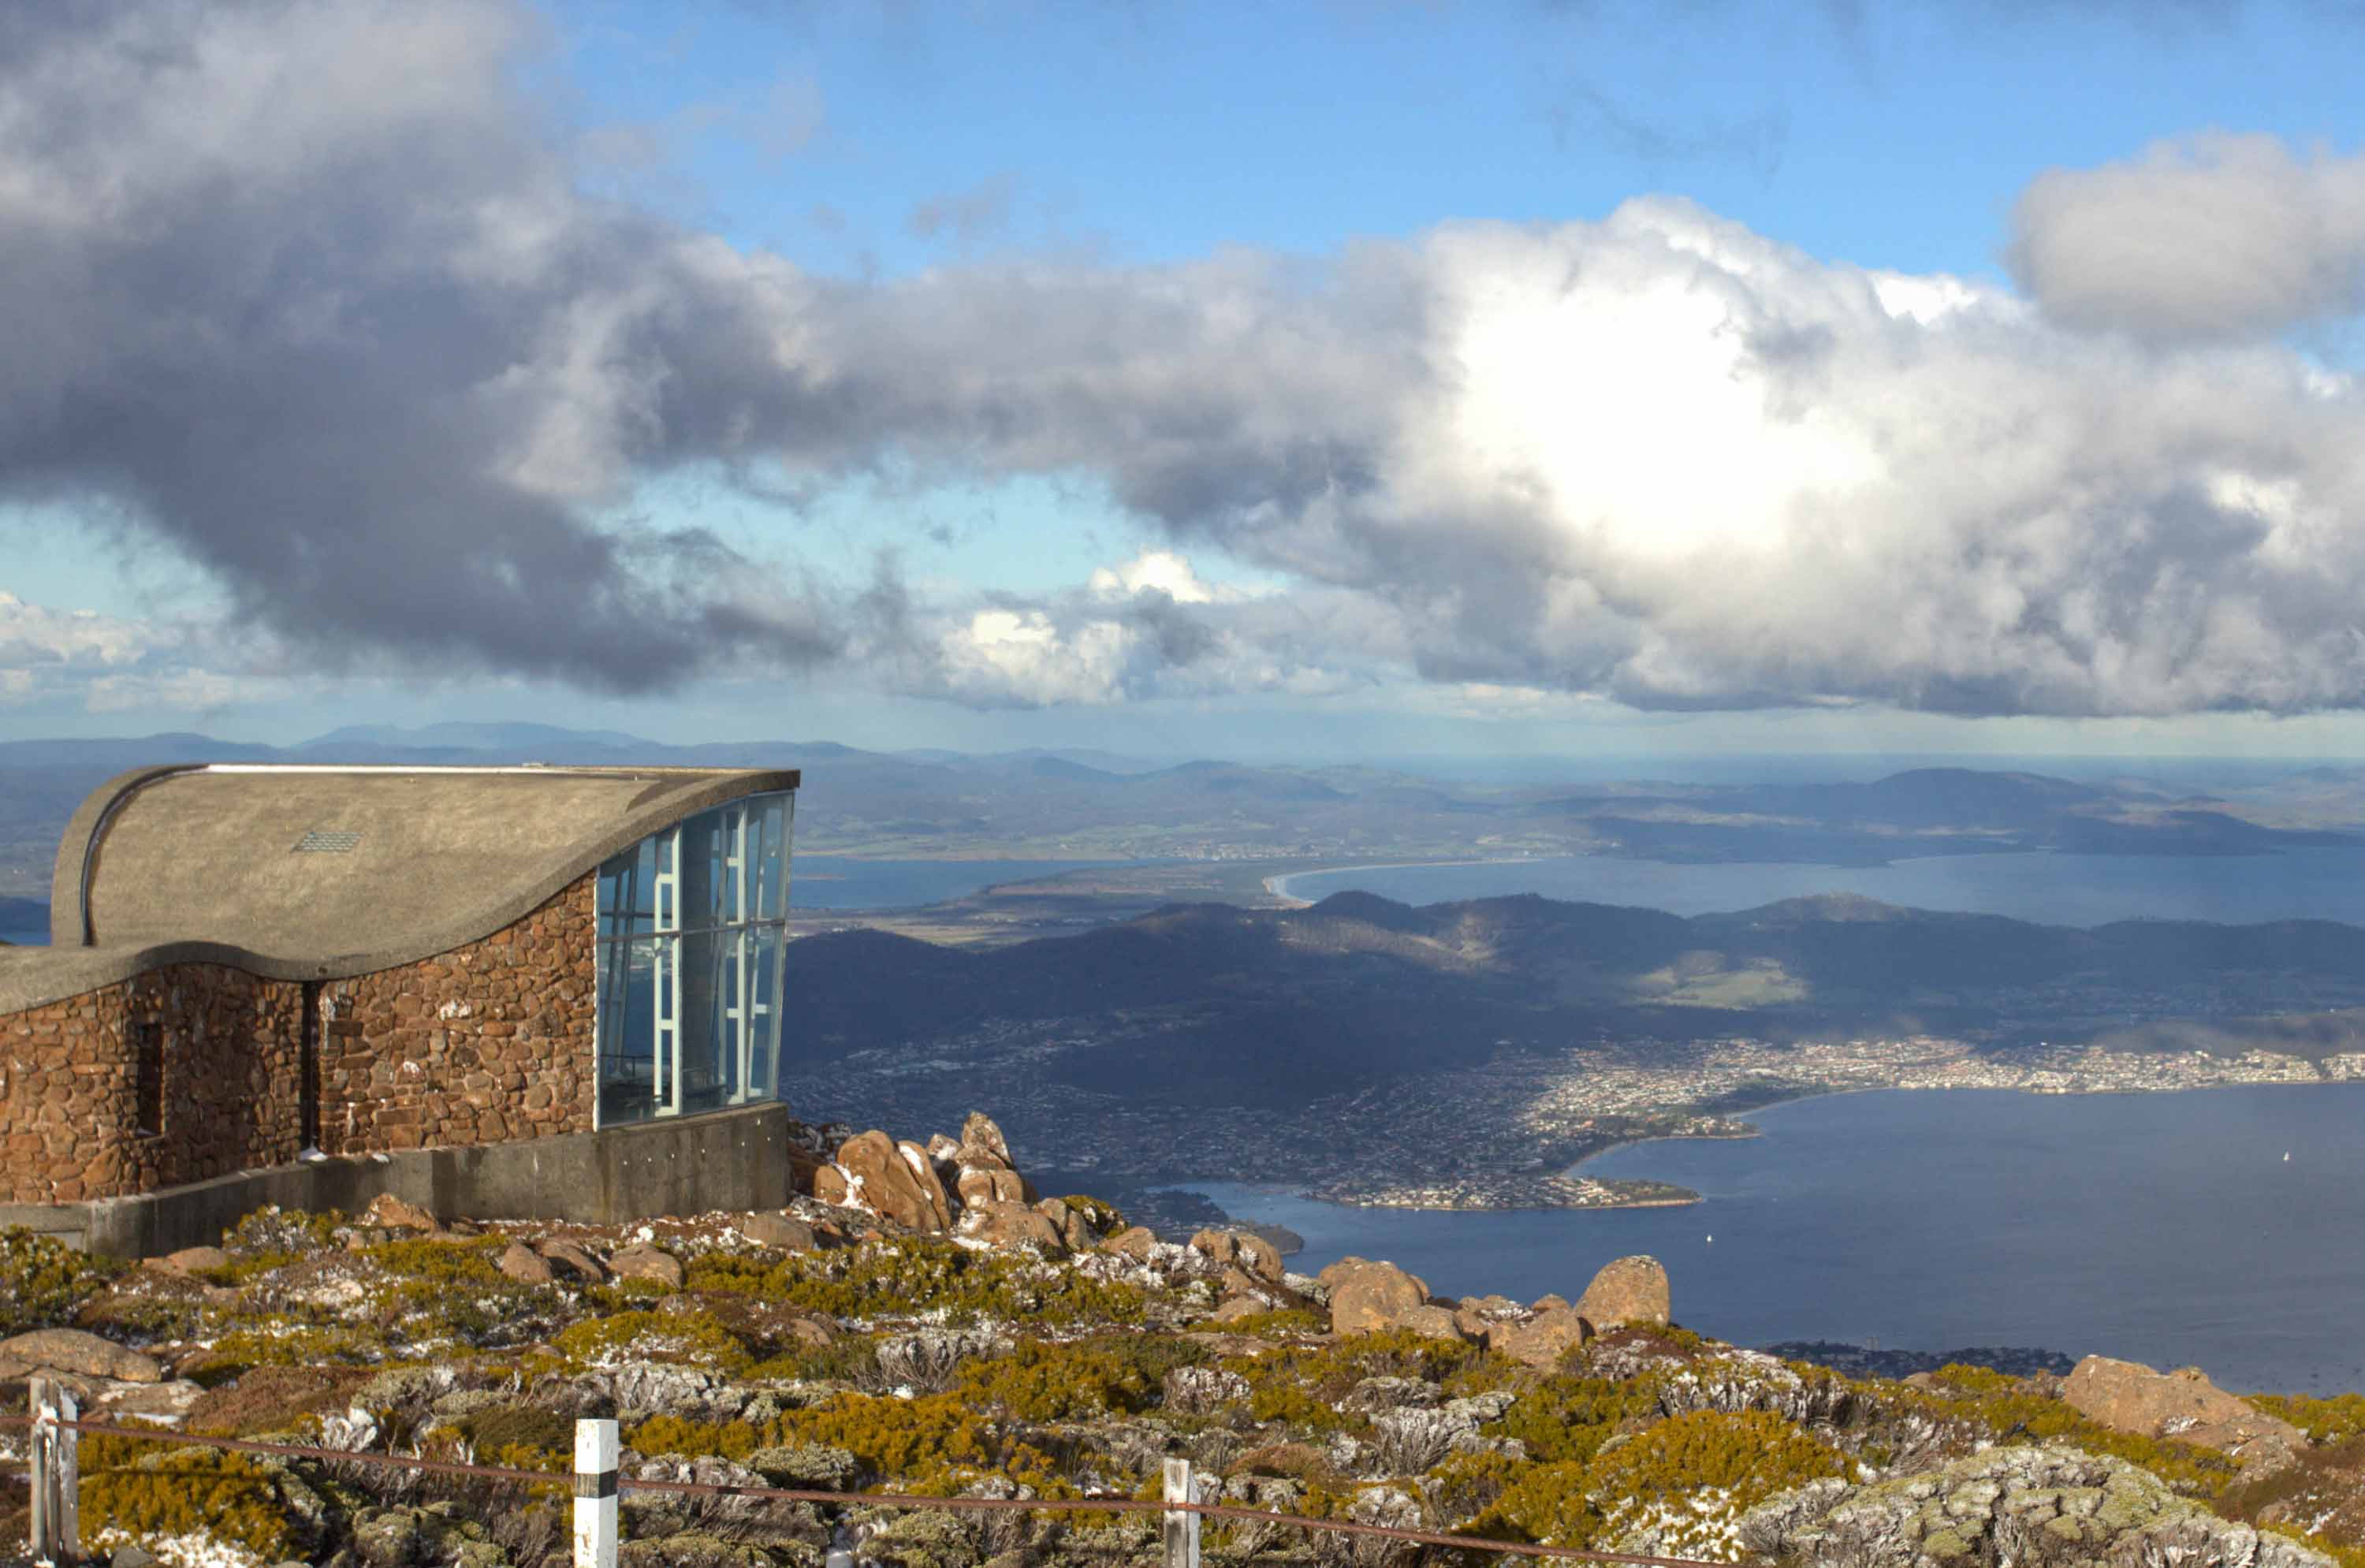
(2166, 1228)
(841, 881)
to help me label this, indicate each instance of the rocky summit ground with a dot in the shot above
(929, 1325)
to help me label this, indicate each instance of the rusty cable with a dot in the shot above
(877, 1499)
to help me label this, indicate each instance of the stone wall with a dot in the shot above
(230, 1089)
(486, 1044)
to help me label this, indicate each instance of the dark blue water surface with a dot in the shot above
(2058, 890)
(2165, 1228)
(838, 881)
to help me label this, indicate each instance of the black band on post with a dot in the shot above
(601, 1486)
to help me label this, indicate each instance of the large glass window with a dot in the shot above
(692, 923)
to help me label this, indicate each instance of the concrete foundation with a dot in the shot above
(725, 1160)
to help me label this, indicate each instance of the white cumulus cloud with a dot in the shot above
(309, 290)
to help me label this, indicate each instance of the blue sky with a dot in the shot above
(896, 202)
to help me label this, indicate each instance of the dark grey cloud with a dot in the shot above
(308, 290)
(306, 286)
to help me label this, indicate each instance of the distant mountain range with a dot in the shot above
(1091, 805)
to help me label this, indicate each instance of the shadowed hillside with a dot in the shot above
(1301, 1003)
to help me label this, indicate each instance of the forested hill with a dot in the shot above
(1363, 984)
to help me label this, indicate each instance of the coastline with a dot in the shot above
(1666, 1193)
(1755, 1132)
(1278, 884)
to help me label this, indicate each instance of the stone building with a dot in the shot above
(276, 983)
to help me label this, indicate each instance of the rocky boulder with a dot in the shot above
(988, 1184)
(894, 1180)
(387, 1212)
(646, 1262)
(1368, 1298)
(1481, 1314)
(1238, 1307)
(525, 1265)
(1248, 1252)
(1011, 1225)
(2127, 1396)
(1075, 1235)
(2033, 1507)
(1133, 1241)
(1631, 1290)
(1542, 1339)
(573, 1259)
(188, 1260)
(1237, 1284)
(981, 1131)
(72, 1351)
(783, 1233)
(931, 1186)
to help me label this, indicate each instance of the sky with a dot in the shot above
(1318, 380)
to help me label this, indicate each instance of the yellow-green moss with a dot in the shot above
(894, 1437)
(1569, 1417)
(2332, 1420)
(911, 1276)
(673, 1434)
(292, 1232)
(1469, 1484)
(296, 1346)
(1302, 1384)
(510, 1428)
(442, 1261)
(938, 1444)
(1746, 1456)
(846, 1359)
(2187, 1468)
(150, 1491)
(1969, 1378)
(42, 1281)
(1290, 1323)
(1043, 1381)
(694, 1338)
(1749, 1454)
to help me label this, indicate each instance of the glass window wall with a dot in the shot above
(691, 925)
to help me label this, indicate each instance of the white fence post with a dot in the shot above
(1182, 1529)
(595, 1494)
(57, 1475)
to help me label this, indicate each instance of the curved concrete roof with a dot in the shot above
(201, 864)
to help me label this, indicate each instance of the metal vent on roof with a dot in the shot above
(327, 841)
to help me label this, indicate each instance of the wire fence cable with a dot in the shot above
(873, 1499)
